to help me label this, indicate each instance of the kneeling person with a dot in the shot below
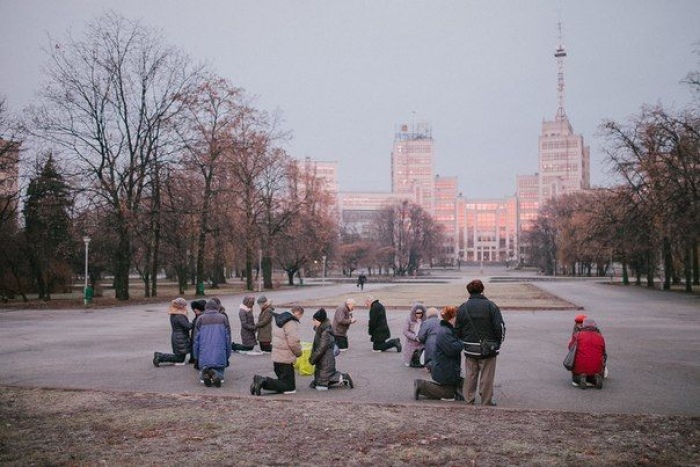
(286, 347)
(446, 364)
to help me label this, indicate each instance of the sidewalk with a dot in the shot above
(112, 349)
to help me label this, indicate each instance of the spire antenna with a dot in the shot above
(560, 54)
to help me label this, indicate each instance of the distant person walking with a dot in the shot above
(378, 328)
(589, 362)
(286, 348)
(361, 279)
(480, 319)
(212, 345)
(179, 337)
(342, 319)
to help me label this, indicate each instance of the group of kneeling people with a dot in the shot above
(207, 339)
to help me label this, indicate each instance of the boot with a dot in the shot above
(397, 344)
(156, 359)
(416, 388)
(257, 384)
(347, 380)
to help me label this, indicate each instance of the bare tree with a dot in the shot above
(109, 97)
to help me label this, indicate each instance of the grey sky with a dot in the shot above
(343, 74)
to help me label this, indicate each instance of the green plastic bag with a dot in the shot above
(302, 365)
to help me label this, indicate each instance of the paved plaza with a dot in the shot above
(652, 342)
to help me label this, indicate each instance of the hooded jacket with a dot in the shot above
(212, 345)
(410, 330)
(286, 345)
(247, 326)
(322, 355)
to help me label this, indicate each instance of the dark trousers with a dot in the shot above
(342, 342)
(433, 390)
(265, 346)
(241, 348)
(171, 358)
(386, 345)
(285, 381)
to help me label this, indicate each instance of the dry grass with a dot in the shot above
(59, 427)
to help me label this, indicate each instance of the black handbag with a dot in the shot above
(570, 357)
(485, 348)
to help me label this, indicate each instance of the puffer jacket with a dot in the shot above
(410, 330)
(447, 361)
(428, 335)
(180, 338)
(247, 326)
(322, 355)
(590, 352)
(487, 319)
(212, 346)
(377, 327)
(286, 345)
(264, 325)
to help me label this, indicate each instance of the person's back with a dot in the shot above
(589, 362)
(428, 335)
(212, 343)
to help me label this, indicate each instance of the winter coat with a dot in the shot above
(247, 326)
(342, 319)
(264, 325)
(427, 336)
(378, 328)
(447, 361)
(486, 317)
(180, 337)
(590, 352)
(212, 345)
(322, 355)
(410, 330)
(286, 345)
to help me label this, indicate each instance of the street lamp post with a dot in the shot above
(323, 279)
(86, 240)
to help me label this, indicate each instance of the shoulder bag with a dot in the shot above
(485, 348)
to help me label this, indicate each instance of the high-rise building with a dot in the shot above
(412, 162)
(9, 179)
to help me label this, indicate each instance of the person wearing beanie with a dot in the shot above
(590, 358)
(378, 328)
(286, 348)
(342, 319)
(323, 355)
(446, 363)
(412, 347)
(427, 336)
(212, 344)
(248, 340)
(578, 324)
(179, 337)
(264, 325)
(480, 320)
(198, 308)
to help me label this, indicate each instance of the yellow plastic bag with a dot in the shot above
(302, 364)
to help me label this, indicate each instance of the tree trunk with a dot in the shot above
(625, 274)
(651, 268)
(248, 267)
(696, 265)
(122, 265)
(267, 272)
(687, 266)
(668, 262)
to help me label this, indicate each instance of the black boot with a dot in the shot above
(156, 359)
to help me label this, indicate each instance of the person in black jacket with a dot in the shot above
(446, 363)
(180, 337)
(198, 308)
(378, 328)
(480, 319)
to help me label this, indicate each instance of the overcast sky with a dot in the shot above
(344, 74)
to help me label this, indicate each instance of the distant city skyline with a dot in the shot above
(344, 75)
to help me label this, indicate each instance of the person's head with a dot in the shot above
(369, 300)
(248, 301)
(319, 317)
(264, 302)
(350, 303)
(212, 304)
(589, 323)
(475, 287)
(178, 307)
(432, 311)
(418, 311)
(298, 311)
(579, 319)
(198, 306)
(449, 314)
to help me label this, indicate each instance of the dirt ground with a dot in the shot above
(75, 428)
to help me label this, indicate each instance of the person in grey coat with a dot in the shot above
(323, 356)
(245, 314)
(428, 334)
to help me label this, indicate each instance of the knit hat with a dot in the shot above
(198, 304)
(320, 315)
(263, 301)
(580, 318)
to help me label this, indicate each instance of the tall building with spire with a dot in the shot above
(564, 159)
(412, 162)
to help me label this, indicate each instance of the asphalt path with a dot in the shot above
(651, 336)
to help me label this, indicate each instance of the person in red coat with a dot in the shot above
(589, 362)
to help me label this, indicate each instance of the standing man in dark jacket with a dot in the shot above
(446, 363)
(212, 343)
(480, 319)
(378, 328)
